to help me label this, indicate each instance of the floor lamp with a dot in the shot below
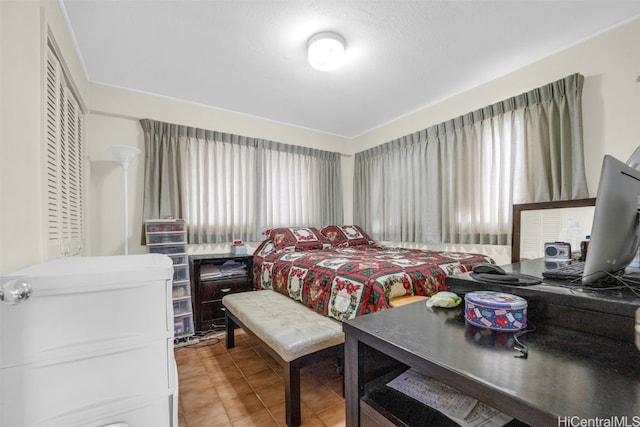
(124, 155)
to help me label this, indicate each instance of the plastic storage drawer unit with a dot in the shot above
(169, 237)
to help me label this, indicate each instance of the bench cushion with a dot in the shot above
(288, 327)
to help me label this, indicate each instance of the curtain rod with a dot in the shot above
(128, 117)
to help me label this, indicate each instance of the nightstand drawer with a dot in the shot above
(212, 312)
(216, 289)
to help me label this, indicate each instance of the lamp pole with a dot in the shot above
(125, 169)
(124, 155)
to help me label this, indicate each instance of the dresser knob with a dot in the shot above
(14, 292)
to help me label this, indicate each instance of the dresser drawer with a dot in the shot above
(215, 289)
(180, 272)
(108, 385)
(164, 226)
(166, 238)
(166, 249)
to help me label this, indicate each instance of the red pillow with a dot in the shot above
(265, 248)
(347, 235)
(298, 238)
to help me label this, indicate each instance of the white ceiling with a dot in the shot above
(249, 56)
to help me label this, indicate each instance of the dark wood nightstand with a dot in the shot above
(211, 279)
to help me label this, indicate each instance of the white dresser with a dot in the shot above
(92, 346)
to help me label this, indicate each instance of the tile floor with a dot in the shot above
(243, 386)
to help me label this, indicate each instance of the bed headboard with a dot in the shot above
(517, 223)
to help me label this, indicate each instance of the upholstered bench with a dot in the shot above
(291, 333)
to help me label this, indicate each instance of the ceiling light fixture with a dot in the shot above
(326, 51)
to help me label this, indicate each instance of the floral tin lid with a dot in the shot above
(496, 300)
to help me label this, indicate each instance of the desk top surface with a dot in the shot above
(566, 373)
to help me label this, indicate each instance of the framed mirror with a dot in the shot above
(537, 223)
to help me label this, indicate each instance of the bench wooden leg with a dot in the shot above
(293, 413)
(292, 393)
(230, 327)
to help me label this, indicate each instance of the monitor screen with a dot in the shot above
(615, 231)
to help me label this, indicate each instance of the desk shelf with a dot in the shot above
(383, 406)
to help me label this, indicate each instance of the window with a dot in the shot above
(455, 182)
(231, 187)
(64, 162)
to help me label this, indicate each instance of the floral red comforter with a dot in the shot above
(346, 282)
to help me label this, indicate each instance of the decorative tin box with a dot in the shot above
(496, 310)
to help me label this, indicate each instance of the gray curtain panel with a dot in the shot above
(162, 169)
(455, 182)
(229, 187)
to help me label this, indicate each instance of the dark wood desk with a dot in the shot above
(567, 373)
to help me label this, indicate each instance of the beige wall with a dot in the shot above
(610, 63)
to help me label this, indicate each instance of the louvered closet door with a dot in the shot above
(64, 165)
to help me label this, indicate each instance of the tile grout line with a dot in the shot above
(246, 379)
(254, 347)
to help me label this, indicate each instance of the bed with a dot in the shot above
(342, 273)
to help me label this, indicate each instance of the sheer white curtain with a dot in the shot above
(219, 182)
(302, 186)
(229, 187)
(456, 182)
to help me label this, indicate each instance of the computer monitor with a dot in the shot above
(615, 232)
